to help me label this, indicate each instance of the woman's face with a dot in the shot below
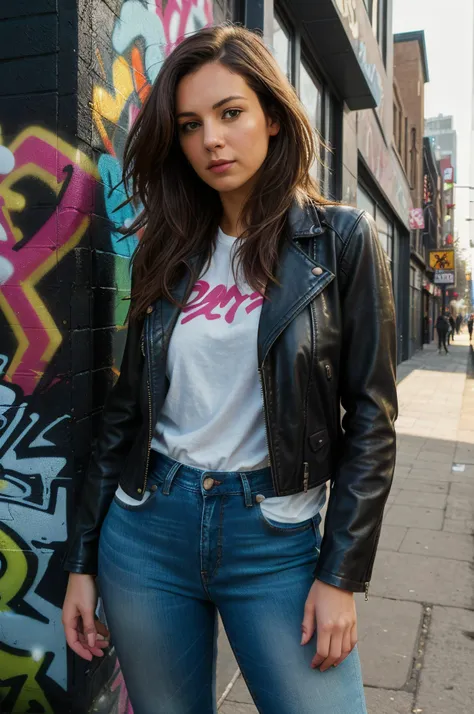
(223, 130)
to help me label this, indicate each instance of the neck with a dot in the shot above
(232, 205)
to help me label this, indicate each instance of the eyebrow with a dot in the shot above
(218, 104)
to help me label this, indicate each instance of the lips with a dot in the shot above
(220, 166)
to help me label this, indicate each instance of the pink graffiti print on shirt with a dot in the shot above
(228, 300)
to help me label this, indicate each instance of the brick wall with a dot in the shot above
(408, 70)
(73, 74)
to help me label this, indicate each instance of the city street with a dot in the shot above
(416, 632)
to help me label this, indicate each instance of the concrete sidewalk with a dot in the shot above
(417, 630)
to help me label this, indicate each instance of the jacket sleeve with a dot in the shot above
(367, 388)
(121, 420)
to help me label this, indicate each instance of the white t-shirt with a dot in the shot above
(213, 417)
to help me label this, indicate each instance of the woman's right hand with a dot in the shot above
(85, 635)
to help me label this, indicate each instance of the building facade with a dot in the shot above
(444, 138)
(433, 214)
(74, 75)
(411, 74)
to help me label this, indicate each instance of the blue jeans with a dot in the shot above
(199, 545)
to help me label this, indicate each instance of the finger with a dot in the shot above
(73, 641)
(346, 647)
(88, 627)
(334, 650)
(309, 623)
(322, 646)
(100, 644)
(354, 635)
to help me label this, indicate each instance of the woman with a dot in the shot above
(256, 307)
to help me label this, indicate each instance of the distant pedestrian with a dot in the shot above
(470, 324)
(442, 328)
(458, 324)
(452, 325)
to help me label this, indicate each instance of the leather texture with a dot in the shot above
(326, 338)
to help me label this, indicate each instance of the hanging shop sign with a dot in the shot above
(442, 259)
(444, 277)
(448, 174)
(416, 219)
(442, 263)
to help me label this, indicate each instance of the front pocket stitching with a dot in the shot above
(306, 525)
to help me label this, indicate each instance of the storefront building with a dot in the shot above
(339, 56)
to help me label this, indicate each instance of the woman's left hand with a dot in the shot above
(332, 612)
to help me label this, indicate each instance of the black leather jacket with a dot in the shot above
(326, 337)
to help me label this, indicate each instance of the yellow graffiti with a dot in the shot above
(15, 573)
(14, 665)
(108, 106)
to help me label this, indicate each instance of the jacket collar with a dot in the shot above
(304, 221)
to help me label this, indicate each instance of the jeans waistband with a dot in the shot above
(167, 471)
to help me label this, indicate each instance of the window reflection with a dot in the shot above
(282, 47)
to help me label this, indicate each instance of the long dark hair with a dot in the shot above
(180, 213)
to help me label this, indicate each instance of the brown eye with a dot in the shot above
(232, 113)
(188, 127)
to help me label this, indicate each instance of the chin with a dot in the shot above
(227, 183)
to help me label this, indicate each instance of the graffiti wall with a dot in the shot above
(64, 271)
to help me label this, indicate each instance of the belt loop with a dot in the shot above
(247, 491)
(169, 478)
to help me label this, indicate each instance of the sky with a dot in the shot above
(449, 31)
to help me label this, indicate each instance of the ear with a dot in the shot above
(273, 126)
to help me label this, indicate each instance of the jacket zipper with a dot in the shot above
(367, 584)
(150, 436)
(267, 441)
(150, 432)
(305, 476)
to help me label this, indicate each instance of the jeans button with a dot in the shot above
(154, 487)
(208, 483)
(259, 498)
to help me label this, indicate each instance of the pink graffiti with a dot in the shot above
(27, 262)
(209, 299)
(124, 705)
(178, 16)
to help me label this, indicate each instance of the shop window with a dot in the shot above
(365, 202)
(282, 46)
(311, 95)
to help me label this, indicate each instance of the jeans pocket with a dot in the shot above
(284, 528)
(141, 505)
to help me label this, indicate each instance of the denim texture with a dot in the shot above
(169, 565)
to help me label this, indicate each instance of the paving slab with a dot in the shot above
(446, 680)
(240, 693)
(437, 457)
(236, 708)
(437, 544)
(464, 527)
(226, 664)
(391, 537)
(462, 490)
(423, 579)
(412, 484)
(385, 701)
(388, 631)
(445, 475)
(407, 497)
(414, 516)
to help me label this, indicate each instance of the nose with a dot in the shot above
(212, 137)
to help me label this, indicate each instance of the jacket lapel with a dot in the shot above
(298, 285)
